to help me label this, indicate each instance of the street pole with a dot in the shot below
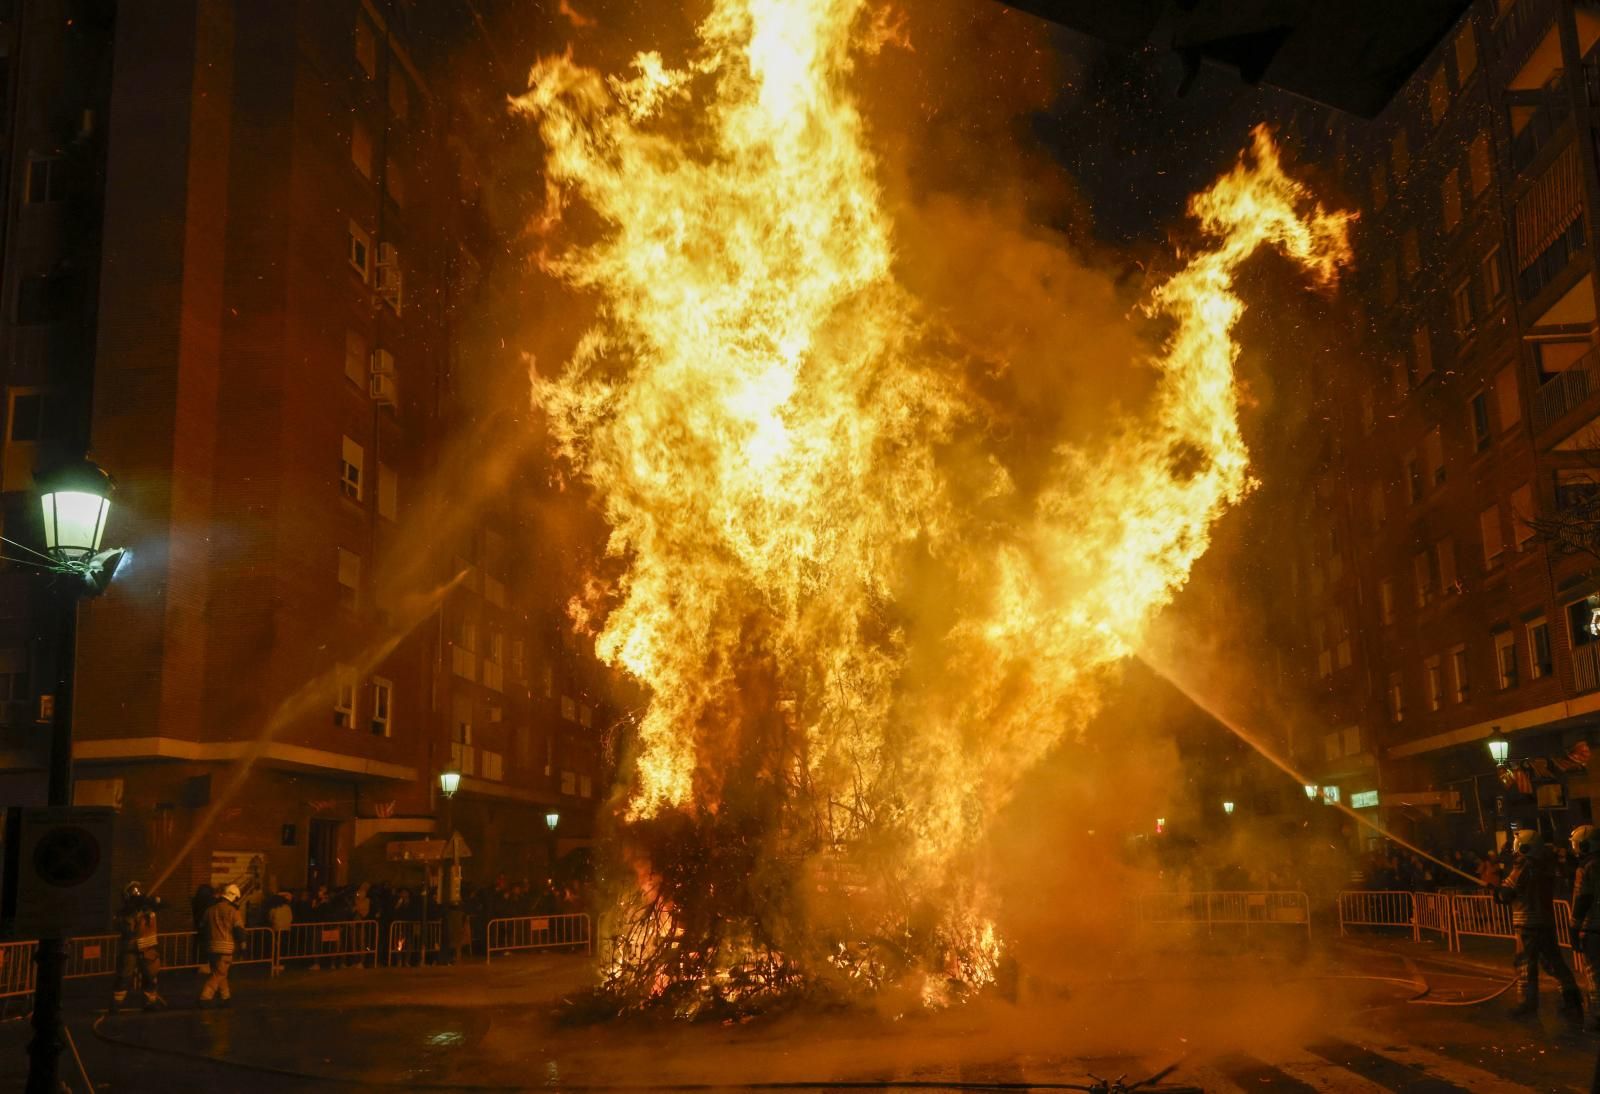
(44, 1050)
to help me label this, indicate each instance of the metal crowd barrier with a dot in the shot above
(1213, 909)
(1377, 908)
(16, 969)
(406, 935)
(317, 942)
(1432, 914)
(96, 955)
(537, 932)
(1480, 917)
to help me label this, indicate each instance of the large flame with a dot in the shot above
(857, 630)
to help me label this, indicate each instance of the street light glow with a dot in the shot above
(75, 500)
(1311, 791)
(551, 820)
(1499, 747)
(449, 782)
(1227, 807)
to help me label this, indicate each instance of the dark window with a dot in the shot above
(46, 298)
(1580, 618)
(1540, 635)
(1480, 420)
(27, 417)
(1414, 478)
(43, 181)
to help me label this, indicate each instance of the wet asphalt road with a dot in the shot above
(1340, 1023)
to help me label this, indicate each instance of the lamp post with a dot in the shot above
(551, 820)
(449, 783)
(75, 502)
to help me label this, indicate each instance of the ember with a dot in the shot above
(856, 627)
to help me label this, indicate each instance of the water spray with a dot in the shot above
(1288, 769)
(300, 702)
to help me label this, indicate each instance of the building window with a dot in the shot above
(1494, 544)
(1397, 699)
(1494, 282)
(585, 786)
(1438, 94)
(1507, 397)
(355, 358)
(399, 94)
(1466, 54)
(1580, 623)
(1450, 200)
(1433, 682)
(569, 782)
(569, 708)
(382, 706)
(1460, 684)
(549, 682)
(585, 715)
(1414, 479)
(1410, 254)
(394, 183)
(366, 47)
(350, 464)
(46, 298)
(1505, 659)
(45, 179)
(466, 636)
(349, 578)
(360, 252)
(1482, 433)
(497, 645)
(1399, 156)
(1576, 490)
(1461, 307)
(1386, 600)
(1445, 553)
(1522, 515)
(1478, 165)
(344, 696)
(361, 148)
(388, 492)
(1540, 663)
(1422, 574)
(1422, 352)
(519, 666)
(1433, 457)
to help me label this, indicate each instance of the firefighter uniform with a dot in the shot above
(1530, 889)
(1586, 913)
(137, 952)
(224, 930)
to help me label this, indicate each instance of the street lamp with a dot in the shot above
(1227, 807)
(449, 781)
(551, 820)
(1311, 791)
(1499, 747)
(75, 503)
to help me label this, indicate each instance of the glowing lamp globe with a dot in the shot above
(1311, 791)
(1227, 807)
(449, 782)
(75, 499)
(551, 820)
(1499, 747)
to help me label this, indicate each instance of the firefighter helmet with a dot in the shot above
(230, 893)
(1527, 838)
(131, 890)
(1582, 839)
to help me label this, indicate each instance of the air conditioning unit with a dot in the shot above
(382, 388)
(390, 284)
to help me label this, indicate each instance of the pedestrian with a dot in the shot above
(1586, 913)
(137, 952)
(280, 917)
(1530, 890)
(224, 931)
(1489, 872)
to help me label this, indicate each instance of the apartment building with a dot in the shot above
(240, 243)
(1433, 612)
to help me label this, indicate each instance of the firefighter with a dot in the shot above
(1530, 890)
(224, 929)
(1586, 913)
(137, 953)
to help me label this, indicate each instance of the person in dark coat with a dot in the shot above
(1586, 913)
(1530, 890)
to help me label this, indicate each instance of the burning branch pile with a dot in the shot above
(856, 626)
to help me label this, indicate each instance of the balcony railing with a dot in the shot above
(1519, 31)
(1565, 391)
(1554, 107)
(1552, 260)
(1586, 666)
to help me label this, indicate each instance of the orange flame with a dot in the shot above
(787, 453)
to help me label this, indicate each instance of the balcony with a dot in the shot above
(464, 757)
(1542, 118)
(1552, 260)
(1586, 666)
(1527, 44)
(1565, 391)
